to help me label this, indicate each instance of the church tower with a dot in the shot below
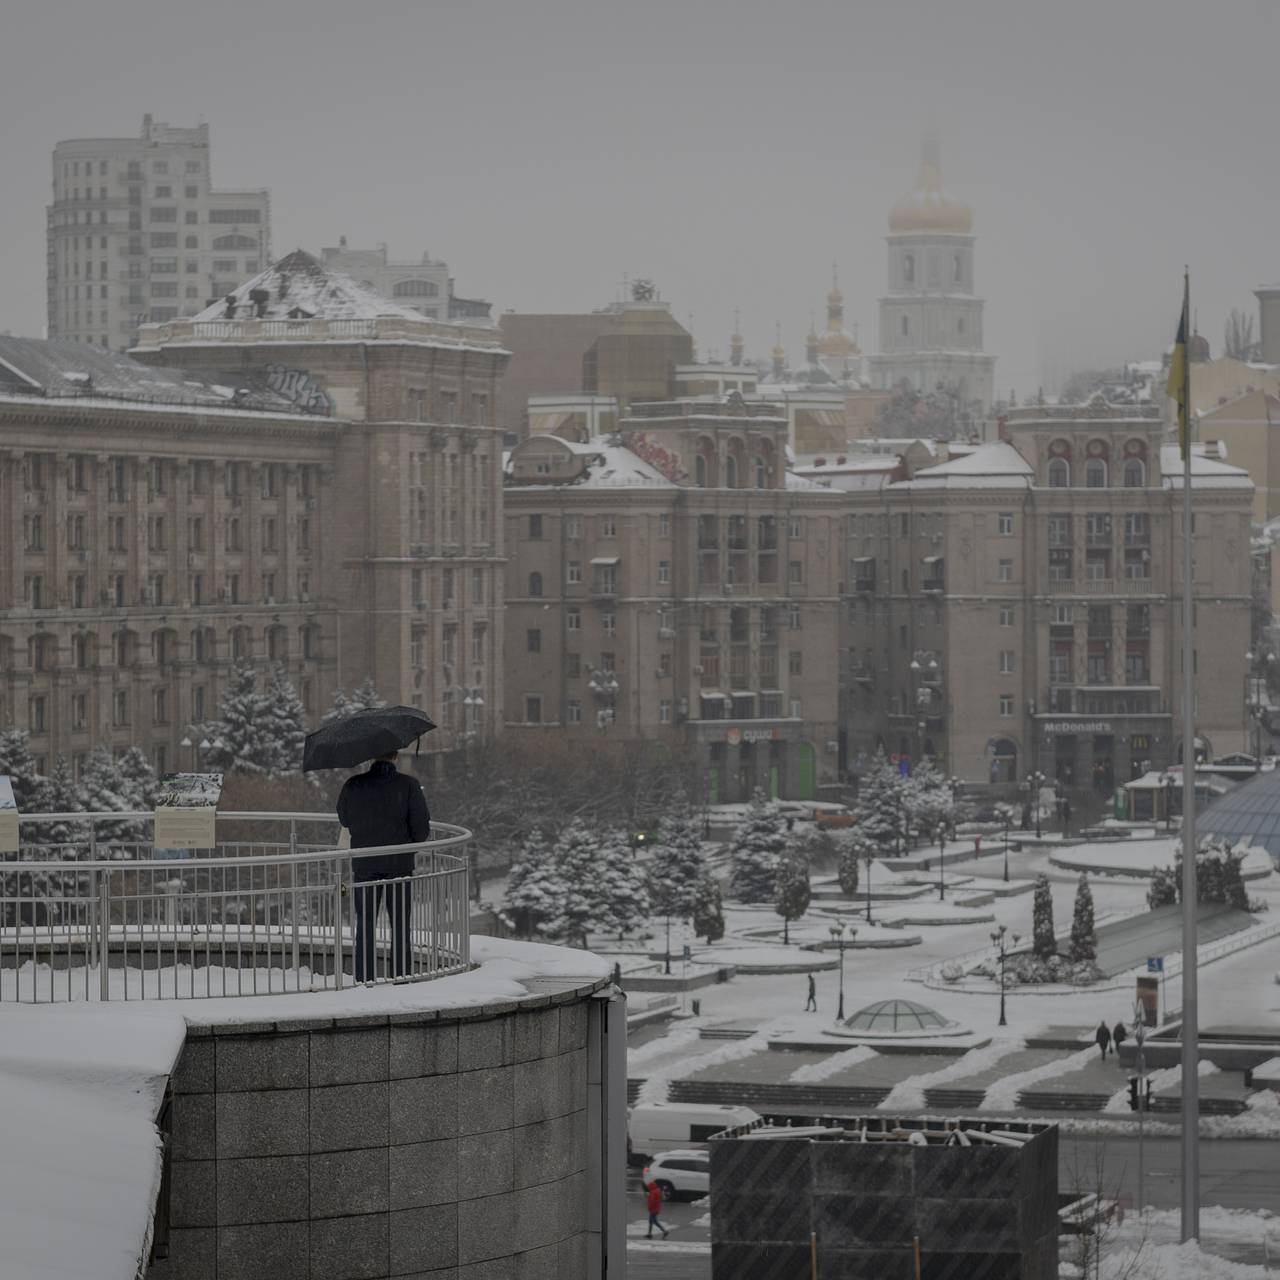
(930, 319)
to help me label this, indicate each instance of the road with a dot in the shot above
(1234, 1173)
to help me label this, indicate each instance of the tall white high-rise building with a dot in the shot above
(137, 233)
(930, 319)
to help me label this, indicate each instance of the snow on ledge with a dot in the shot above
(81, 1083)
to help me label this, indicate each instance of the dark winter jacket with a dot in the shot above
(383, 806)
(1102, 1035)
(1119, 1034)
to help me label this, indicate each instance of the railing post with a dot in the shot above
(337, 924)
(293, 893)
(104, 926)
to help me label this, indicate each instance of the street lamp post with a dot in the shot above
(1167, 780)
(942, 862)
(999, 938)
(1035, 781)
(842, 935)
(1006, 848)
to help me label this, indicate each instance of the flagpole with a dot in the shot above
(1190, 994)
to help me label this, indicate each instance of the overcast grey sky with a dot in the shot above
(729, 150)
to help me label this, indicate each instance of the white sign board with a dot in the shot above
(8, 817)
(186, 811)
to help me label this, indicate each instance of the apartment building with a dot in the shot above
(137, 233)
(424, 286)
(673, 583)
(1017, 608)
(303, 473)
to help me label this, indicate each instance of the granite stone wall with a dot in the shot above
(452, 1146)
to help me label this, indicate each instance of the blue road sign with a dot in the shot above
(1155, 964)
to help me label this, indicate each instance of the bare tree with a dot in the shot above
(1238, 341)
(1093, 1217)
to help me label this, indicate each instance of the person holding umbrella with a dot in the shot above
(379, 807)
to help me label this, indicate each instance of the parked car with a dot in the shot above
(681, 1175)
(654, 1127)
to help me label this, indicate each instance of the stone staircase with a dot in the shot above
(761, 1096)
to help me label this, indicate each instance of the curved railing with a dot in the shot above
(90, 910)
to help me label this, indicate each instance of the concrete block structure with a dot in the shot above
(866, 1205)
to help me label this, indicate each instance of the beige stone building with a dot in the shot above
(674, 584)
(138, 233)
(307, 474)
(1247, 430)
(1017, 608)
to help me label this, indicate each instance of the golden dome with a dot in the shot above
(927, 207)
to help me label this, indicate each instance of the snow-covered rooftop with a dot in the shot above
(993, 465)
(297, 287)
(1206, 473)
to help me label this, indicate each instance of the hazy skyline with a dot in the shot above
(729, 151)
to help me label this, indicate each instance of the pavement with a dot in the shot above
(1127, 943)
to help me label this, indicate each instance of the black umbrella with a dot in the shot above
(363, 735)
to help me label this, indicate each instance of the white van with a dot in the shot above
(653, 1127)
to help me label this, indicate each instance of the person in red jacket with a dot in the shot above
(653, 1198)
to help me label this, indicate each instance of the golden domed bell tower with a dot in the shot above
(838, 351)
(930, 318)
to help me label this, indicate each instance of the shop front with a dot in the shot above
(1101, 753)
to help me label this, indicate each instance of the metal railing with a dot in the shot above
(90, 910)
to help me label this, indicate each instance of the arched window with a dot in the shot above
(415, 289)
(762, 473)
(1135, 474)
(1059, 473)
(909, 267)
(731, 472)
(535, 584)
(1095, 473)
(700, 471)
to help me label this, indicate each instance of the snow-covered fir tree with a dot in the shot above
(676, 864)
(1084, 940)
(1163, 890)
(242, 739)
(138, 779)
(64, 795)
(578, 910)
(534, 890)
(1218, 876)
(877, 808)
(927, 799)
(30, 788)
(848, 854)
(287, 720)
(623, 893)
(1043, 942)
(758, 843)
(363, 698)
(105, 790)
(791, 890)
(708, 915)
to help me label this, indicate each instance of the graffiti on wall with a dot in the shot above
(658, 456)
(299, 388)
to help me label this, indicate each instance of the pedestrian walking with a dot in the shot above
(812, 1002)
(383, 807)
(1103, 1037)
(653, 1198)
(1118, 1035)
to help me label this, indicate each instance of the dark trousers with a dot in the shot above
(369, 899)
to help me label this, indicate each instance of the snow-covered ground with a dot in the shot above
(1141, 857)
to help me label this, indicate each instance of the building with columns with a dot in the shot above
(304, 473)
(930, 317)
(672, 583)
(1017, 608)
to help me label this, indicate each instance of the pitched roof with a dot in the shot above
(989, 466)
(297, 287)
(58, 369)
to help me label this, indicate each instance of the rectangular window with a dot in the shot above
(609, 624)
(574, 711)
(574, 573)
(573, 620)
(160, 706)
(80, 711)
(532, 709)
(795, 572)
(572, 665)
(608, 526)
(1006, 615)
(120, 708)
(1006, 662)
(1006, 705)
(794, 662)
(573, 528)
(1062, 614)
(533, 640)
(664, 711)
(166, 213)
(664, 571)
(535, 527)
(163, 240)
(1004, 522)
(664, 524)
(1005, 571)
(235, 215)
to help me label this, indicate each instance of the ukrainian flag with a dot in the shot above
(1179, 385)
